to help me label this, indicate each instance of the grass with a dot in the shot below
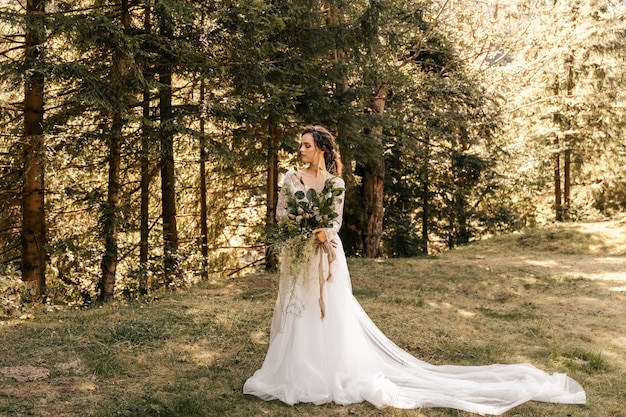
(552, 297)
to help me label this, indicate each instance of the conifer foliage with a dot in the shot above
(143, 143)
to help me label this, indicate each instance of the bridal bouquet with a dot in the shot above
(312, 211)
(305, 213)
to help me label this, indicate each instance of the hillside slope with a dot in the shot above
(552, 297)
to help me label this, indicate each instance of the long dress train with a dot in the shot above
(344, 358)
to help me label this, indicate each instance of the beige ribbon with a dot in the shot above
(321, 248)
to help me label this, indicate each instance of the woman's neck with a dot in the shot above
(313, 177)
(312, 170)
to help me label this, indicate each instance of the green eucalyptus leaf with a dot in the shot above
(311, 195)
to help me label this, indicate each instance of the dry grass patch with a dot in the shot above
(551, 297)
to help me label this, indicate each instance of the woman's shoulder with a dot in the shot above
(291, 173)
(292, 178)
(338, 181)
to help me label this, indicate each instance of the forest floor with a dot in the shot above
(554, 297)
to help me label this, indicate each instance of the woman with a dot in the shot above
(323, 346)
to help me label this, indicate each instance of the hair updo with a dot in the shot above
(325, 141)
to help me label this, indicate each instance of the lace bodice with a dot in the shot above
(292, 183)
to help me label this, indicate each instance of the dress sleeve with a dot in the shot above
(331, 232)
(281, 204)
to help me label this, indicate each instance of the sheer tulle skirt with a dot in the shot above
(346, 359)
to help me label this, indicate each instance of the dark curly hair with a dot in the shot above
(325, 141)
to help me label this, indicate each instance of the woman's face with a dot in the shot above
(308, 150)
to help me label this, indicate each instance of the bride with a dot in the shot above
(323, 346)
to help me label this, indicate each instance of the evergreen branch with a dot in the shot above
(85, 9)
(10, 37)
(10, 122)
(249, 265)
(8, 174)
(12, 106)
(430, 30)
(7, 261)
(134, 247)
(66, 280)
(10, 249)
(7, 229)
(6, 53)
(213, 248)
(153, 172)
(128, 252)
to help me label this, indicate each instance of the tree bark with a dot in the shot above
(352, 227)
(111, 208)
(373, 186)
(168, 179)
(567, 153)
(567, 163)
(462, 235)
(271, 261)
(204, 229)
(558, 206)
(110, 215)
(168, 175)
(425, 179)
(33, 233)
(144, 213)
(146, 136)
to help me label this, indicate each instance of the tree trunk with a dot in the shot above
(558, 206)
(110, 215)
(111, 208)
(144, 214)
(204, 229)
(271, 261)
(168, 175)
(351, 229)
(462, 235)
(373, 186)
(33, 236)
(146, 136)
(425, 179)
(567, 156)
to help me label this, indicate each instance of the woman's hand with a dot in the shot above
(320, 235)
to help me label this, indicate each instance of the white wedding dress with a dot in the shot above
(344, 358)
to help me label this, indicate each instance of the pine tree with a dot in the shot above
(119, 83)
(145, 158)
(276, 78)
(557, 67)
(33, 209)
